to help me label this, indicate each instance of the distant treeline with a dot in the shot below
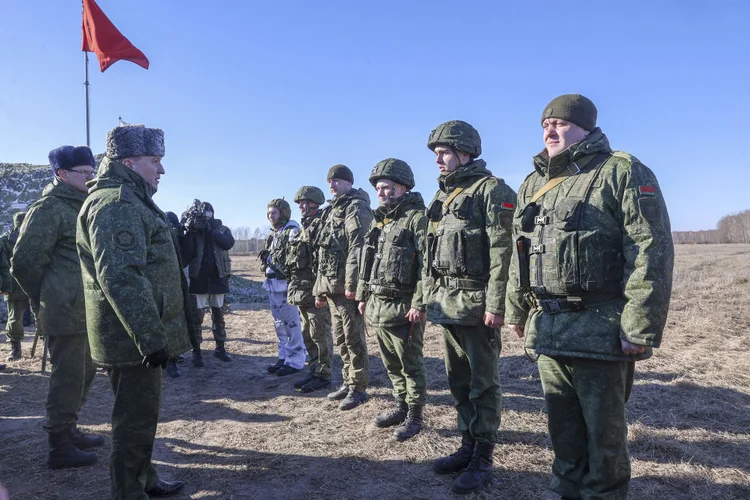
(733, 228)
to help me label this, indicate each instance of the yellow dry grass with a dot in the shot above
(231, 431)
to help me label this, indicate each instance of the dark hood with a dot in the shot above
(354, 194)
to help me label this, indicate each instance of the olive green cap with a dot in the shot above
(573, 108)
(341, 172)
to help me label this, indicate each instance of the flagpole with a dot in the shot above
(86, 88)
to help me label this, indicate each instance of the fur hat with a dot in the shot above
(67, 157)
(574, 108)
(285, 211)
(341, 172)
(128, 141)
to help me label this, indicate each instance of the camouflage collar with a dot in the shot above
(112, 173)
(59, 189)
(463, 176)
(410, 201)
(581, 153)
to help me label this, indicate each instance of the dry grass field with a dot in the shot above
(232, 431)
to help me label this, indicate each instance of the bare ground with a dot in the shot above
(232, 431)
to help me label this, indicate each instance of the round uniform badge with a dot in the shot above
(35, 242)
(124, 239)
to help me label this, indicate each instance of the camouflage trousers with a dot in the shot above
(70, 380)
(316, 333)
(218, 324)
(291, 348)
(471, 362)
(585, 401)
(135, 413)
(404, 361)
(349, 336)
(14, 325)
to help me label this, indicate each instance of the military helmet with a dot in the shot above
(458, 135)
(285, 211)
(310, 193)
(395, 170)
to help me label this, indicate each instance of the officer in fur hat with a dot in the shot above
(137, 302)
(45, 264)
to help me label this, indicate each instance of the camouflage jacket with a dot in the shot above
(600, 239)
(468, 246)
(8, 283)
(45, 261)
(136, 294)
(340, 242)
(301, 261)
(274, 256)
(390, 270)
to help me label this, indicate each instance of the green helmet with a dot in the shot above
(458, 135)
(395, 170)
(310, 193)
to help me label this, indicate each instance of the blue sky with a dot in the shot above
(259, 98)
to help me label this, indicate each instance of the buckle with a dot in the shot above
(541, 220)
(537, 248)
(578, 170)
(550, 306)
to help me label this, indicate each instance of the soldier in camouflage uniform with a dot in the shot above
(16, 300)
(589, 286)
(45, 263)
(340, 243)
(291, 348)
(137, 301)
(469, 248)
(301, 268)
(390, 292)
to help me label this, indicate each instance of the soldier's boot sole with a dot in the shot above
(68, 459)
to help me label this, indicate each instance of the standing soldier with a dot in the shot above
(16, 300)
(45, 263)
(341, 241)
(390, 291)
(469, 248)
(135, 299)
(291, 348)
(301, 271)
(589, 286)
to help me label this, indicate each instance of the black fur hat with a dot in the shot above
(67, 157)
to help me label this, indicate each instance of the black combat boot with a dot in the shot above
(220, 352)
(275, 367)
(84, 441)
(3, 366)
(411, 426)
(62, 452)
(298, 384)
(315, 384)
(172, 369)
(165, 488)
(458, 460)
(479, 470)
(353, 399)
(198, 359)
(339, 393)
(15, 351)
(395, 416)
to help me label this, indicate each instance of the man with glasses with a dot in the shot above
(45, 264)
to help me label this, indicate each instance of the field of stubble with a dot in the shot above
(232, 431)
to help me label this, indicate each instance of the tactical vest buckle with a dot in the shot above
(537, 248)
(541, 220)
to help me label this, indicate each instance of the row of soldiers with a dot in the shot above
(579, 262)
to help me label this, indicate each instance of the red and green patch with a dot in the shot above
(646, 190)
(507, 206)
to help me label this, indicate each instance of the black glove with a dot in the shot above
(156, 359)
(215, 224)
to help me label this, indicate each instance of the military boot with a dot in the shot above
(172, 369)
(411, 426)
(62, 452)
(353, 399)
(479, 470)
(458, 460)
(339, 393)
(84, 441)
(15, 351)
(198, 359)
(298, 384)
(393, 417)
(3, 366)
(220, 352)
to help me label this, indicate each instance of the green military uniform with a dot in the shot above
(136, 296)
(16, 300)
(45, 263)
(301, 269)
(592, 265)
(340, 242)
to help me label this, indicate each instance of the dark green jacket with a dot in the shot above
(45, 261)
(469, 246)
(301, 261)
(603, 237)
(391, 266)
(8, 283)
(135, 290)
(340, 242)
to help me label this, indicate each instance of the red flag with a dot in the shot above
(101, 37)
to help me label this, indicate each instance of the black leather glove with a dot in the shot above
(156, 359)
(214, 224)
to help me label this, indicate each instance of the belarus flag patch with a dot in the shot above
(646, 190)
(507, 206)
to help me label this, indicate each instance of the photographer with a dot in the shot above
(205, 248)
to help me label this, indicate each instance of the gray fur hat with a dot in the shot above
(128, 141)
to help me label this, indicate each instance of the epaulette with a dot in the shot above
(126, 193)
(626, 156)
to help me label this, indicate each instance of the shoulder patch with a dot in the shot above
(124, 239)
(646, 191)
(126, 193)
(507, 206)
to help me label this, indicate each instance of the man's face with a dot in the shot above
(339, 187)
(308, 208)
(273, 215)
(388, 191)
(560, 134)
(77, 177)
(148, 167)
(449, 159)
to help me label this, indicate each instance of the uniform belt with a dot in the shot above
(393, 293)
(462, 283)
(561, 304)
